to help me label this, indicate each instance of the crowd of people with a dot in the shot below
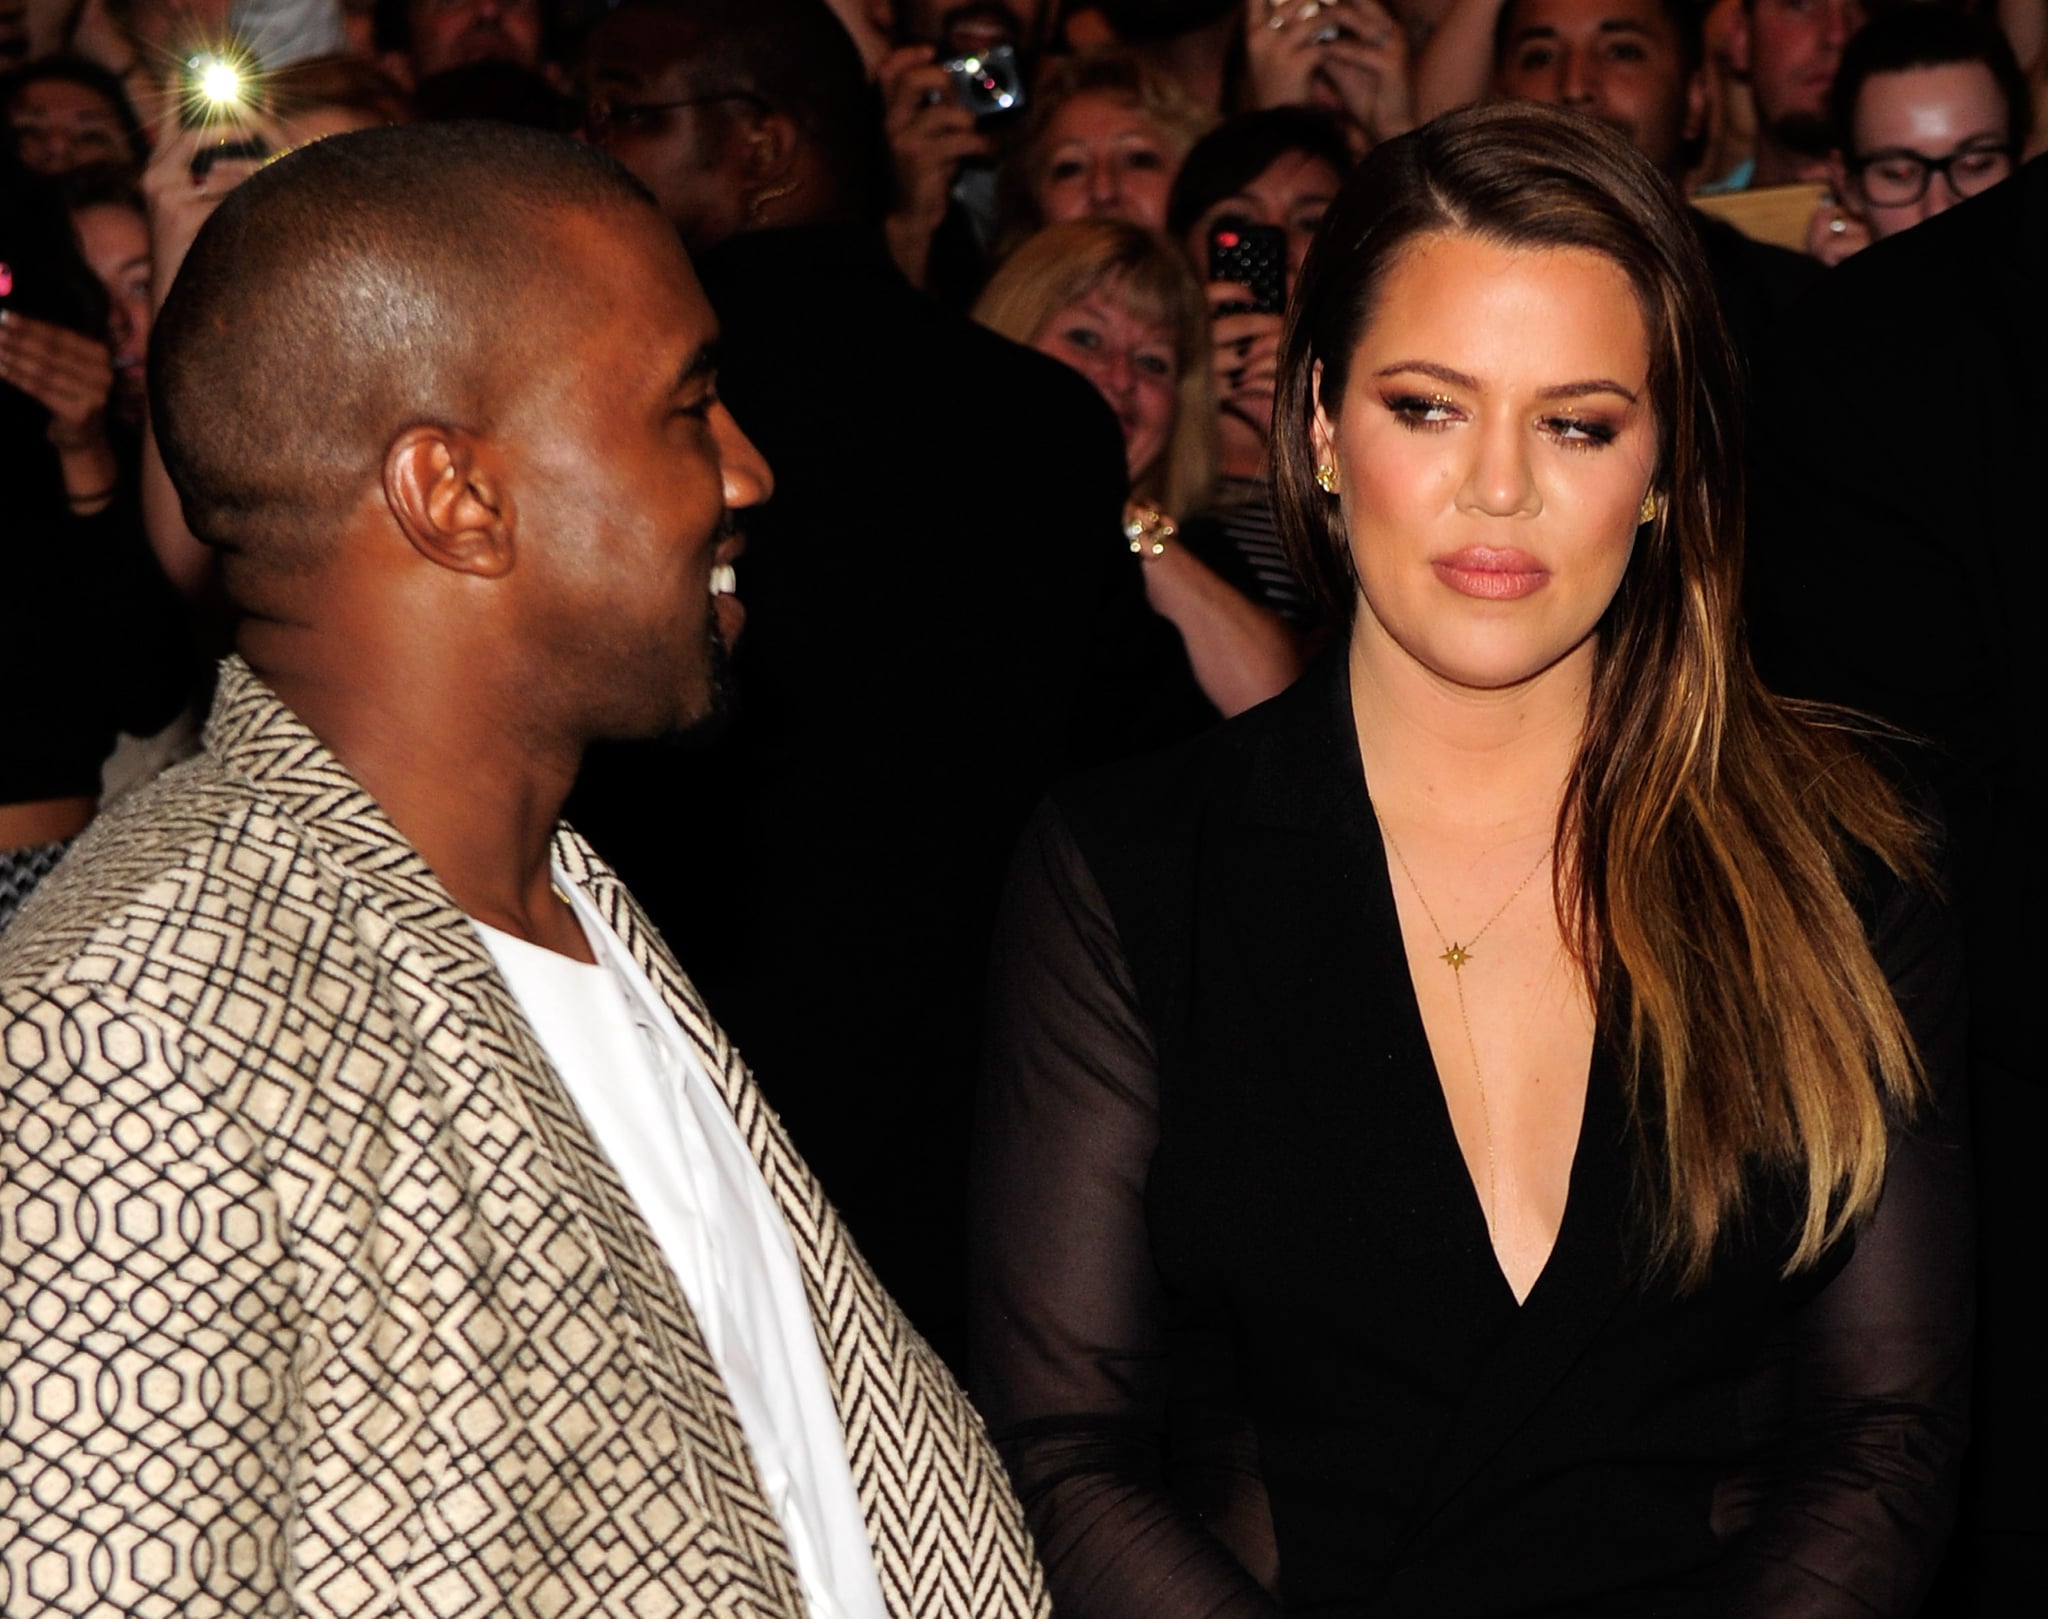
(1287, 759)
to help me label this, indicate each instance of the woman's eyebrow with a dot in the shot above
(1458, 379)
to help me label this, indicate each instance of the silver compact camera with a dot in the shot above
(987, 83)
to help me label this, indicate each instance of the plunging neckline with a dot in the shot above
(1444, 1129)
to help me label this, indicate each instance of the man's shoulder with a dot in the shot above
(170, 884)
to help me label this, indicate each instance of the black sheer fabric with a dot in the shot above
(1074, 1344)
(1238, 1329)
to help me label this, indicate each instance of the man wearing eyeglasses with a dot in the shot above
(1930, 108)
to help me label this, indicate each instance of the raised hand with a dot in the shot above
(69, 375)
(1350, 56)
(1246, 356)
(180, 201)
(930, 134)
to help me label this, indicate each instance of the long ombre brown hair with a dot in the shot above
(1711, 834)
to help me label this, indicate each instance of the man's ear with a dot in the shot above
(444, 491)
(1695, 108)
(881, 13)
(767, 145)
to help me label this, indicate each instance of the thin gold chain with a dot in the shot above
(1455, 956)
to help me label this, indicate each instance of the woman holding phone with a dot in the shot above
(1251, 195)
(1478, 1135)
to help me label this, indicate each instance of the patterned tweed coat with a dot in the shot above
(316, 1295)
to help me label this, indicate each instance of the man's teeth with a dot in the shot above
(723, 580)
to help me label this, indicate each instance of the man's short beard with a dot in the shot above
(721, 703)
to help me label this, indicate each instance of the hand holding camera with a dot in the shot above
(193, 167)
(1349, 56)
(931, 133)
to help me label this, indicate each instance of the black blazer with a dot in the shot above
(1236, 1305)
(1900, 441)
(1902, 436)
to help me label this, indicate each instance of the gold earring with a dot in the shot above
(1326, 478)
(757, 205)
(1649, 509)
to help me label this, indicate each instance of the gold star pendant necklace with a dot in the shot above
(1456, 956)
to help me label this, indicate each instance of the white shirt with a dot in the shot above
(653, 1109)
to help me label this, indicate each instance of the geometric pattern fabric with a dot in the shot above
(317, 1296)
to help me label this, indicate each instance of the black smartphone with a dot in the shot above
(1253, 256)
(251, 150)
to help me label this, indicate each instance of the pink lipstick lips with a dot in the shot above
(1490, 574)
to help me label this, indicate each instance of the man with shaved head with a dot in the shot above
(384, 1225)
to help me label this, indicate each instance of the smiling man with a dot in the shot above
(384, 1224)
(1629, 63)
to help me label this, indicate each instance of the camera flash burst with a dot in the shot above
(221, 82)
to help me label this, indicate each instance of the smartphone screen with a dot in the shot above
(1254, 256)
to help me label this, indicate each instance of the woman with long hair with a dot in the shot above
(1475, 1136)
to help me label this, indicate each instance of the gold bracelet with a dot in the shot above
(1148, 529)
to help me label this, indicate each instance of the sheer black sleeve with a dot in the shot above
(1881, 1354)
(1075, 1355)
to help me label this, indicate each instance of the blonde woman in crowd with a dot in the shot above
(1120, 305)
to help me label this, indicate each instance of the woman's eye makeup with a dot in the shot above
(1580, 432)
(1425, 412)
(1422, 410)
